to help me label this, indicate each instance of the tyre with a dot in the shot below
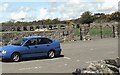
(51, 54)
(15, 57)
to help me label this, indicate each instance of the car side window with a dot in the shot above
(31, 42)
(39, 41)
(44, 41)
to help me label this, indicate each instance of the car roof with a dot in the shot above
(30, 37)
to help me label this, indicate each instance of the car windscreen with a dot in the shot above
(19, 42)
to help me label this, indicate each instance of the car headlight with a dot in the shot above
(4, 52)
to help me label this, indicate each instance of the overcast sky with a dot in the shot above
(43, 9)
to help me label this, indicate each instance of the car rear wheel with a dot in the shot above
(51, 54)
(15, 57)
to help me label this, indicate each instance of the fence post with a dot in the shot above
(81, 38)
(101, 34)
(119, 35)
(59, 32)
(113, 27)
(119, 41)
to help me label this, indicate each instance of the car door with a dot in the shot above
(31, 48)
(44, 45)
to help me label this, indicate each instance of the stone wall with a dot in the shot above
(28, 27)
(60, 32)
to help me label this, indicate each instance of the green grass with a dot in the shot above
(77, 32)
(95, 31)
(106, 31)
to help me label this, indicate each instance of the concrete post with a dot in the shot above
(119, 42)
(101, 34)
(81, 38)
(119, 34)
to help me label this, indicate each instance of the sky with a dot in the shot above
(32, 10)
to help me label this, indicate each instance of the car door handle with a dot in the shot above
(35, 46)
(47, 45)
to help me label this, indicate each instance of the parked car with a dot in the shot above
(31, 46)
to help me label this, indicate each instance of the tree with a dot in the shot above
(115, 16)
(86, 18)
(55, 21)
(48, 21)
(98, 17)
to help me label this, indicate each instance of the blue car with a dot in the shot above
(31, 46)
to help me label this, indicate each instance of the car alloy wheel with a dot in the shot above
(51, 54)
(15, 57)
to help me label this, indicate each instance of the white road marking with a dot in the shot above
(29, 61)
(54, 59)
(42, 60)
(78, 60)
(91, 49)
(39, 60)
(112, 52)
(67, 58)
(29, 68)
(90, 61)
(65, 64)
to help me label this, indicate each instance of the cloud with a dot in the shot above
(65, 9)
(62, 10)
(118, 5)
(26, 9)
(18, 15)
(22, 12)
(42, 13)
(3, 7)
(74, 8)
(108, 6)
(74, 1)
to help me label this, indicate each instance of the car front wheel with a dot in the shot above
(51, 54)
(15, 57)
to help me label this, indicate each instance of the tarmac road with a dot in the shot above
(77, 54)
